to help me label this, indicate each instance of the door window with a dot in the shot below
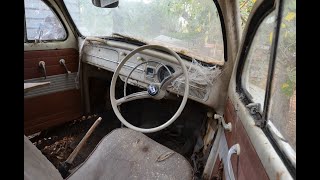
(41, 22)
(255, 72)
(282, 107)
(281, 114)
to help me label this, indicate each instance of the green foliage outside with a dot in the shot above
(189, 25)
(287, 47)
(195, 23)
(148, 20)
(245, 9)
(287, 43)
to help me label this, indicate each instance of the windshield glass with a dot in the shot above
(191, 27)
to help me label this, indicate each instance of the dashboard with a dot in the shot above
(153, 67)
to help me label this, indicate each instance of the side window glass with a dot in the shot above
(255, 72)
(282, 107)
(42, 23)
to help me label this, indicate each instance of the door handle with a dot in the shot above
(226, 126)
(42, 65)
(63, 63)
(235, 149)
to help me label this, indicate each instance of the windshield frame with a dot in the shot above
(184, 56)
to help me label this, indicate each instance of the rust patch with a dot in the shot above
(217, 173)
(279, 174)
(145, 148)
(183, 52)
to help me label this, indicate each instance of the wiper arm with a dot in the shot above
(127, 38)
(121, 35)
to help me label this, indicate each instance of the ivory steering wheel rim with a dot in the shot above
(113, 85)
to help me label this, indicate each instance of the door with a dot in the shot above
(50, 55)
(261, 98)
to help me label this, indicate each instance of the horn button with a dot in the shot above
(153, 89)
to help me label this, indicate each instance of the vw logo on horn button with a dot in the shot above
(153, 89)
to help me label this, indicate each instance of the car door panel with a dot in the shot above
(52, 109)
(259, 157)
(51, 59)
(59, 102)
(248, 165)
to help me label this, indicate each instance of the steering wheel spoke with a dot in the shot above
(133, 96)
(154, 90)
(167, 81)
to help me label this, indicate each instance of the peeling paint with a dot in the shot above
(279, 174)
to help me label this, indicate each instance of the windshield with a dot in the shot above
(191, 27)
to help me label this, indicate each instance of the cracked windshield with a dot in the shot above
(190, 27)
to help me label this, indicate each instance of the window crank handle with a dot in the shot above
(42, 65)
(63, 62)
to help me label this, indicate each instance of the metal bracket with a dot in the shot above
(254, 108)
(38, 39)
(223, 122)
(123, 53)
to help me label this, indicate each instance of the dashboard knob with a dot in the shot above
(140, 58)
(123, 54)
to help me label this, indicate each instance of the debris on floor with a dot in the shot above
(60, 150)
(57, 143)
(164, 156)
(34, 135)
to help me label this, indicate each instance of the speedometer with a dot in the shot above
(163, 72)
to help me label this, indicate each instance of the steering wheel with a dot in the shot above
(154, 90)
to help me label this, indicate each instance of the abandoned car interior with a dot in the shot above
(170, 89)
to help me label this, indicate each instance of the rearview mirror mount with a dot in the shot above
(105, 3)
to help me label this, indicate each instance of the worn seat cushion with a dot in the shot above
(36, 165)
(128, 154)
